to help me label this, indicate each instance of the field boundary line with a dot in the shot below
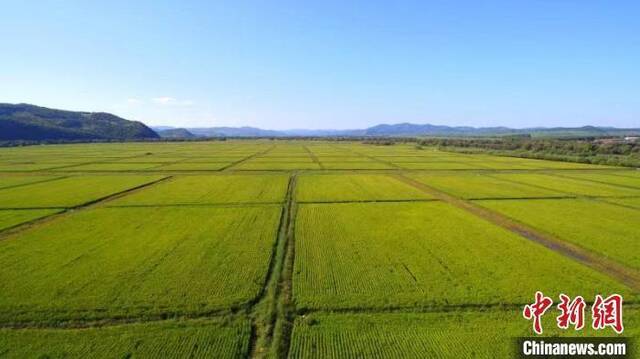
(36, 182)
(376, 159)
(233, 164)
(7, 233)
(371, 201)
(313, 157)
(266, 308)
(598, 262)
(594, 181)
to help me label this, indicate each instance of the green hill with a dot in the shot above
(34, 123)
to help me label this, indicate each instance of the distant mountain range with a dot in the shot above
(412, 130)
(34, 123)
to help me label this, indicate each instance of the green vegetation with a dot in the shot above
(211, 190)
(264, 248)
(569, 185)
(413, 335)
(477, 185)
(348, 187)
(613, 178)
(132, 262)
(171, 339)
(14, 181)
(600, 227)
(10, 217)
(418, 254)
(24, 122)
(70, 191)
(614, 151)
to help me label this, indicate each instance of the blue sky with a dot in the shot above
(328, 64)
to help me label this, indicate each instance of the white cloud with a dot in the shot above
(171, 101)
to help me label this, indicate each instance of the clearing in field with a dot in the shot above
(137, 261)
(600, 227)
(171, 339)
(69, 191)
(422, 254)
(354, 187)
(215, 189)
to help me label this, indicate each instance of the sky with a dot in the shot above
(328, 64)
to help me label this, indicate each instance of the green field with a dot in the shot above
(301, 249)
(211, 190)
(173, 339)
(597, 226)
(416, 335)
(70, 191)
(417, 254)
(129, 262)
(349, 187)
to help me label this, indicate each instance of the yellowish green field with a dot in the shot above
(301, 249)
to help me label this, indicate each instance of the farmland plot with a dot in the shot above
(203, 189)
(612, 178)
(12, 217)
(418, 254)
(172, 339)
(276, 166)
(601, 227)
(108, 167)
(364, 165)
(348, 187)
(13, 181)
(428, 335)
(569, 185)
(69, 191)
(193, 166)
(120, 262)
(474, 185)
(437, 165)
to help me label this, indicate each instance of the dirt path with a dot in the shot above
(613, 269)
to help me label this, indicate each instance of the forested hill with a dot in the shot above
(34, 123)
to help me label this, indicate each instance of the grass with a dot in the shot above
(204, 189)
(601, 227)
(348, 187)
(132, 262)
(70, 191)
(171, 339)
(418, 254)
